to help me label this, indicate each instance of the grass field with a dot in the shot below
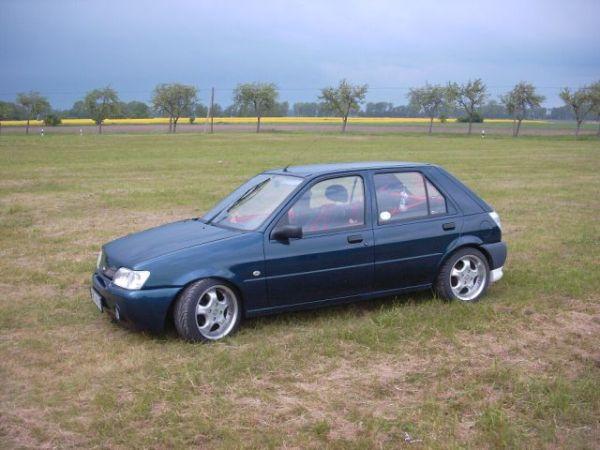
(520, 369)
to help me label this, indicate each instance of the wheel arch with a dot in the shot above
(221, 279)
(465, 242)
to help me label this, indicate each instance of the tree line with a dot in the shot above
(470, 102)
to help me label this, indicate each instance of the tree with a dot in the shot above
(200, 110)
(594, 94)
(175, 100)
(5, 112)
(217, 110)
(52, 120)
(494, 110)
(519, 101)
(33, 104)
(261, 97)
(428, 99)
(379, 109)
(469, 97)
(344, 99)
(136, 110)
(580, 102)
(77, 110)
(100, 104)
(561, 113)
(305, 109)
(279, 109)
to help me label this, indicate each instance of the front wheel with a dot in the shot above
(464, 276)
(208, 310)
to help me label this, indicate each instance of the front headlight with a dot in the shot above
(99, 260)
(130, 279)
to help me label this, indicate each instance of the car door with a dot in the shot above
(414, 224)
(334, 257)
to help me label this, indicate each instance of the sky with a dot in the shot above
(65, 48)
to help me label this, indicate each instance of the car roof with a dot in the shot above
(319, 169)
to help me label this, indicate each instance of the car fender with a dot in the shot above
(206, 272)
(461, 241)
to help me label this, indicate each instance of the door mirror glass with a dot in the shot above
(286, 232)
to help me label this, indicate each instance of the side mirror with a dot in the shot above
(285, 232)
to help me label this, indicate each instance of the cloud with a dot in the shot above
(66, 48)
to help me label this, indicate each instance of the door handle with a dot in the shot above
(449, 226)
(355, 238)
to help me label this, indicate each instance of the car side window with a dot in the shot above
(406, 195)
(332, 204)
(437, 202)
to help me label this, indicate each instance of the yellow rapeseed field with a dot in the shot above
(267, 120)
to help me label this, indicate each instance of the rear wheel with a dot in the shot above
(207, 310)
(465, 276)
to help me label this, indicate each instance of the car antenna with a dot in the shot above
(285, 169)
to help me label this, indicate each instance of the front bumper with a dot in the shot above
(145, 309)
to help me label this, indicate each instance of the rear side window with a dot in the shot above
(437, 202)
(406, 195)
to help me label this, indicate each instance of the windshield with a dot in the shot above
(249, 206)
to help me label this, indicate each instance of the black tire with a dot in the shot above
(443, 287)
(185, 314)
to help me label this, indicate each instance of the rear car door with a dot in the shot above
(334, 258)
(414, 223)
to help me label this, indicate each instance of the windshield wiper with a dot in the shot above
(249, 194)
(246, 196)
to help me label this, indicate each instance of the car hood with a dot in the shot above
(148, 244)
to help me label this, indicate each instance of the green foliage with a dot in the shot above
(78, 110)
(344, 99)
(136, 110)
(428, 100)
(100, 104)
(581, 103)
(519, 101)
(200, 110)
(469, 97)
(473, 118)
(261, 97)
(174, 100)
(6, 110)
(594, 96)
(33, 104)
(258, 96)
(52, 120)
(594, 93)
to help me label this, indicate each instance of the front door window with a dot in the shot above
(333, 204)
